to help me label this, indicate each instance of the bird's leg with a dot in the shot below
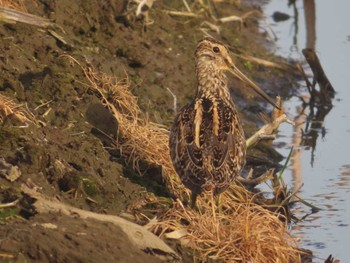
(219, 204)
(214, 208)
(213, 205)
(193, 200)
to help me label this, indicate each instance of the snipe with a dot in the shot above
(207, 142)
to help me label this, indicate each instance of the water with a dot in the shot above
(323, 170)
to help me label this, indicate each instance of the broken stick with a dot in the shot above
(269, 129)
(326, 89)
(138, 235)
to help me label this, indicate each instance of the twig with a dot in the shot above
(29, 111)
(187, 6)
(78, 133)
(234, 18)
(175, 100)
(267, 129)
(211, 26)
(246, 15)
(12, 16)
(47, 112)
(14, 203)
(267, 63)
(205, 32)
(278, 117)
(231, 19)
(42, 105)
(7, 256)
(179, 13)
(60, 38)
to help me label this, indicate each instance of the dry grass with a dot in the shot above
(138, 139)
(9, 107)
(14, 4)
(238, 231)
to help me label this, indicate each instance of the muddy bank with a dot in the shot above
(63, 154)
(58, 238)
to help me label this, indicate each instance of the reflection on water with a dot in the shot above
(314, 127)
(344, 178)
(321, 137)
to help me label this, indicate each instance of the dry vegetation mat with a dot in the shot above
(8, 108)
(234, 228)
(138, 138)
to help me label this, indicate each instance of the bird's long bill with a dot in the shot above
(236, 72)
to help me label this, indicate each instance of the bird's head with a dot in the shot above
(212, 54)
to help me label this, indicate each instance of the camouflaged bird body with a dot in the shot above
(207, 143)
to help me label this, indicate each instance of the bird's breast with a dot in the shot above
(213, 118)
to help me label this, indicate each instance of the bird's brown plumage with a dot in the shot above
(207, 143)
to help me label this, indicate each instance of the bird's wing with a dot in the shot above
(220, 132)
(208, 133)
(182, 139)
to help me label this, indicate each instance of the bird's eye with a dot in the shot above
(216, 49)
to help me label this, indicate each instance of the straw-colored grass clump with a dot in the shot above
(231, 231)
(10, 108)
(14, 4)
(235, 230)
(138, 138)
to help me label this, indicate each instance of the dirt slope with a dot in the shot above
(62, 154)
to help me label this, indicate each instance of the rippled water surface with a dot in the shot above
(321, 161)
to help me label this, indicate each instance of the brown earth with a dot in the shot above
(73, 240)
(64, 155)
